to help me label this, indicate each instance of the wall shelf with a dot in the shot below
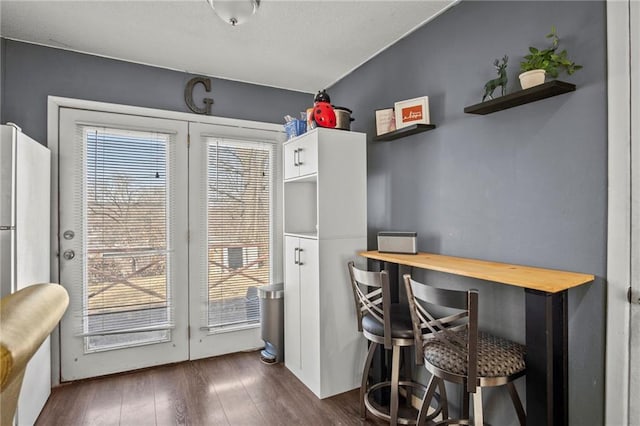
(521, 97)
(405, 131)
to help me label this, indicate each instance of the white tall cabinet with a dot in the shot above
(325, 225)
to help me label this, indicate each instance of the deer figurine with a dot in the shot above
(500, 81)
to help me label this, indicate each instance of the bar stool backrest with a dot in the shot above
(458, 331)
(372, 297)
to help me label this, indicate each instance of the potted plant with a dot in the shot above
(546, 61)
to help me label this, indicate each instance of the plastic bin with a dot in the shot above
(271, 299)
(295, 128)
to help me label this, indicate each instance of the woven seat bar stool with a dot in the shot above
(453, 349)
(387, 324)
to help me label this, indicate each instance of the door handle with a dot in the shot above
(299, 261)
(295, 256)
(295, 157)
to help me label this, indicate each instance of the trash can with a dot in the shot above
(272, 320)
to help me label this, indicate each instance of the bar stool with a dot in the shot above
(453, 349)
(382, 322)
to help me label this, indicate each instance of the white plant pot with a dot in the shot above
(532, 78)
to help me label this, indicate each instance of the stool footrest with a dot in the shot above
(407, 415)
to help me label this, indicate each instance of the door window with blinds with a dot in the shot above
(167, 229)
(126, 202)
(238, 193)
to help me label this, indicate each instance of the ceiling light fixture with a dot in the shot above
(234, 12)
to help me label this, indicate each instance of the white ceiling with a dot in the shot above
(303, 45)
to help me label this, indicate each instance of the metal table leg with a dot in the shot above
(547, 366)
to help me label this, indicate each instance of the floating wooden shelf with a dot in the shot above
(532, 94)
(405, 131)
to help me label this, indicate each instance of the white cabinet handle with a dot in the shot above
(299, 261)
(296, 157)
(299, 162)
(296, 258)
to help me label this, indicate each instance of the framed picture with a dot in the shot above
(385, 121)
(412, 111)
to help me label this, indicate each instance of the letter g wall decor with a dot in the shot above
(188, 95)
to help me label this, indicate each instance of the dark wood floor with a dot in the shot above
(235, 389)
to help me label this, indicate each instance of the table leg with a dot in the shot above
(380, 368)
(378, 372)
(547, 365)
(394, 280)
(395, 271)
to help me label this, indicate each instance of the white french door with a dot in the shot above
(233, 209)
(166, 231)
(123, 242)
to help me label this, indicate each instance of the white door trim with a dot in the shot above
(634, 340)
(619, 212)
(54, 103)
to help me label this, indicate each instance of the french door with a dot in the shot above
(166, 230)
(234, 223)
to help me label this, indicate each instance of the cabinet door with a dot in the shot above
(307, 155)
(290, 162)
(291, 305)
(310, 313)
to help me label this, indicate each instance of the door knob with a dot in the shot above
(69, 254)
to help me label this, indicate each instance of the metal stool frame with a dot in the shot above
(445, 329)
(372, 297)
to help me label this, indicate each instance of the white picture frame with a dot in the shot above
(385, 121)
(412, 111)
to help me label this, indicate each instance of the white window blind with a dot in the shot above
(239, 211)
(125, 198)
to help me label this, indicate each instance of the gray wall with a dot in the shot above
(526, 185)
(32, 72)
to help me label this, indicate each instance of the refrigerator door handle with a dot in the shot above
(7, 267)
(7, 175)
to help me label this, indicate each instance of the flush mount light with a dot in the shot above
(234, 12)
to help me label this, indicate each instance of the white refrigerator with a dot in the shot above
(25, 191)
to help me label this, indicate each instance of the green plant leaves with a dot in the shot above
(547, 59)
